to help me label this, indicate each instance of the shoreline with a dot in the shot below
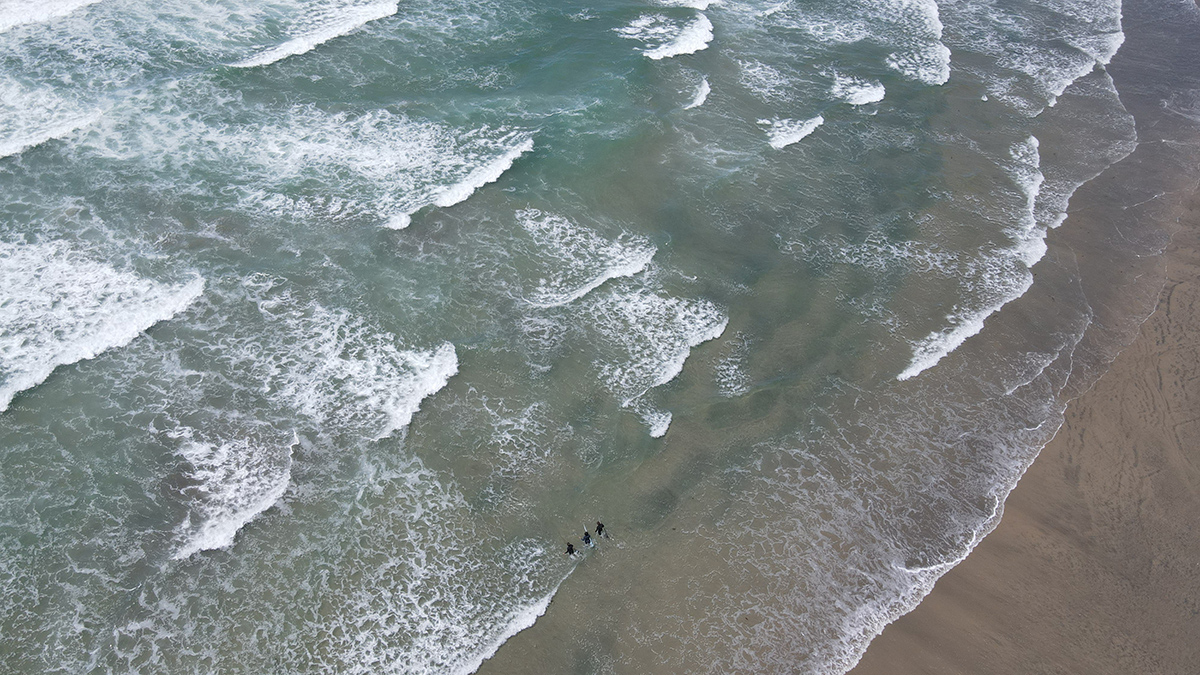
(1095, 565)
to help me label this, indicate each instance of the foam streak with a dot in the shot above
(337, 27)
(235, 485)
(481, 176)
(701, 96)
(521, 619)
(57, 308)
(693, 38)
(21, 12)
(782, 133)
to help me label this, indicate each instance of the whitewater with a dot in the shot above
(325, 325)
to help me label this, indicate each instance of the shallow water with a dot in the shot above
(325, 326)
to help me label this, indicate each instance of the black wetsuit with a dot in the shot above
(587, 538)
(599, 528)
(570, 548)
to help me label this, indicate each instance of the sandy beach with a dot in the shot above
(327, 327)
(1095, 566)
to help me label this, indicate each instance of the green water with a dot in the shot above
(327, 326)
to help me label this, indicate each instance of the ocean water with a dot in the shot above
(325, 325)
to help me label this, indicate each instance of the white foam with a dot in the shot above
(414, 580)
(433, 371)
(339, 370)
(658, 421)
(879, 255)
(931, 349)
(521, 439)
(1026, 173)
(432, 587)
(857, 91)
(302, 162)
(931, 66)
(359, 379)
(28, 138)
(1028, 248)
(782, 133)
(627, 268)
(730, 371)
(21, 12)
(488, 173)
(649, 337)
(693, 38)
(649, 27)
(519, 620)
(938, 344)
(58, 307)
(398, 221)
(327, 28)
(765, 81)
(236, 482)
(835, 31)
(1054, 54)
(30, 117)
(925, 57)
(658, 424)
(701, 95)
(1116, 142)
(578, 260)
(665, 38)
(912, 29)
(699, 5)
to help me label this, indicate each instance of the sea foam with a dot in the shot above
(342, 372)
(782, 133)
(326, 28)
(924, 57)
(764, 81)
(1029, 245)
(301, 162)
(30, 117)
(456, 193)
(700, 5)
(657, 421)
(701, 95)
(235, 481)
(576, 260)
(519, 619)
(646, 338)
(730, 372)
(931, 349)
(665, 38)
(58, 306)
(1025, 171)
(20, 12)
(488, 173)
(857, 91)
(693, 38)
(1051, 55)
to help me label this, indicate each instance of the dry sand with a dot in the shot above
(1095, 566)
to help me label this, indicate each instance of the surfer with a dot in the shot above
(600, 529)
(570, 548)
(587, 538)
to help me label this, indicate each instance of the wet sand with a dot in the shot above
(1095, 566)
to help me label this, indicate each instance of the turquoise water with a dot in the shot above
(325, 325)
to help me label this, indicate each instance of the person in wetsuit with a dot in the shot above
(600, 529)
(587, 538)
(570, 548)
